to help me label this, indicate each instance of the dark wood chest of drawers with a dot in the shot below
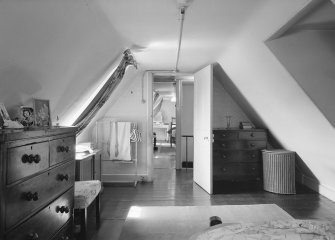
(237, 157)
(37, 178)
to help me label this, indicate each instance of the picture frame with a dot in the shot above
(42, 112)
(3, 113)
(27, 116)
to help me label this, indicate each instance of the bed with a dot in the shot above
(273, 230)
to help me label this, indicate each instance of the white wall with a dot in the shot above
(309, 56)
(285, 108)
(126, 104)
(224, 105)
(168, 110)
(56, 50)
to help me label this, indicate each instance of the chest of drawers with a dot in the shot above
(237, 158)
(37, 178)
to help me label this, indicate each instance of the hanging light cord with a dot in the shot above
(182, 14)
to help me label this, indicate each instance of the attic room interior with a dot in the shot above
(169, 119)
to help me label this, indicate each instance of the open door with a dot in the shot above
(203, 92)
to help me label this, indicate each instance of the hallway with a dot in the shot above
(176, 188)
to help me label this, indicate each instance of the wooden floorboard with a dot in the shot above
(176, 188)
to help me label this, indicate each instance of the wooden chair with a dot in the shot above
(85, 192)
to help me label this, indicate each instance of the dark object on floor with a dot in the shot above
(214, 220)
(187, 164)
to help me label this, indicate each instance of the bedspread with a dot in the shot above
(274, 230)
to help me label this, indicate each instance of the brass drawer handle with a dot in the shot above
(252, 145)
(63, 149)
(37, 158)
(62, 177)
(62, 209)
(32, 236)
(31, 158)
(29, 196)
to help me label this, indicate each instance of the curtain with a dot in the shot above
(157, 103)
(103, 95)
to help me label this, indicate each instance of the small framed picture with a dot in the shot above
(42, 113)
(3, 112)
(27, 116)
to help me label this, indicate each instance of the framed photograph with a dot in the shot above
(42, 113)
(3, 112)
(27, 116)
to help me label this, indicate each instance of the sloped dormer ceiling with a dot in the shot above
(56, 50)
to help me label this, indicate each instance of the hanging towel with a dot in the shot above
(120, 141)
(135, 135)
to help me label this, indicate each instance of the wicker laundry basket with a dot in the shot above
(279, 171)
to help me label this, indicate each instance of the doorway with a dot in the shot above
(164, 122)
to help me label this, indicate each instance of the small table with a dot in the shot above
(88, 166)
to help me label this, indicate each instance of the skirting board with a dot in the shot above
(123, 178)
(313, 184)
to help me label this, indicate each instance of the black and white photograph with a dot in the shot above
(27, 116)
(167, 119)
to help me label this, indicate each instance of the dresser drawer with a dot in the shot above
(237, 172)
(236, 156)
(62, 150)
(35, 192)
(245, 144)
(46, 222)
(24, 161)
(224, 145)
(225, 135)
(65, 233)
(251, 135)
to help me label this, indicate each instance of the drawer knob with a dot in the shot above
(30, 158)
(252, 145)
(31, 196)
(64, 238)
(32, 236)
(62, 209)
(224, 156)
(25, 158)
(223, 145)
(63, 149)
(37, 158)
(62, 177)
(60, 149)
(252, 134)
